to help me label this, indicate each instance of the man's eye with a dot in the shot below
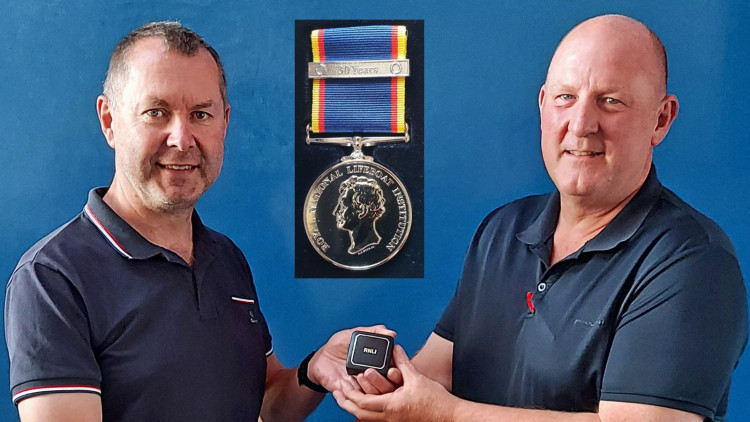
(565, 97)
(154, 113)
(612, 101)
(202, 115)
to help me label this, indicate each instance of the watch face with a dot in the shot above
(357, 214)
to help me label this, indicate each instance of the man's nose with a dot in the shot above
(180, 134)
(584, 119)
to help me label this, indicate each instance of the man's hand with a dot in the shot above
(422, 399)
(371, 382)
(418, 399)
(328, 366)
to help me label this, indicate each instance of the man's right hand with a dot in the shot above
(435, 361)
(371, 382)
(418, 399)
(328, 366)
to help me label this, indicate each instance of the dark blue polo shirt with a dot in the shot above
(94, 307)
(652, 310)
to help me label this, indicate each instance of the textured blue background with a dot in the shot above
(484, 63)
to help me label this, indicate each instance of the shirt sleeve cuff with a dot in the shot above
(40, 387)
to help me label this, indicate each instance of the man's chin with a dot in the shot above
(176, 205)
(176, 202)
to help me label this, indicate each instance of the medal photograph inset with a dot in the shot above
(359, 149)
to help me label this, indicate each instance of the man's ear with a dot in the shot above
(667, 114)
(104, 111)
(541, 98)
(227, 109)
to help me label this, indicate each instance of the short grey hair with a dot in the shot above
(176, 38)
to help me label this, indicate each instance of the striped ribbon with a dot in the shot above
(359, 104)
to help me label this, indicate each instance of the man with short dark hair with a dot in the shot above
(134, 310)
(609, 299)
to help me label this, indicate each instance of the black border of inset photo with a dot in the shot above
(406, 160)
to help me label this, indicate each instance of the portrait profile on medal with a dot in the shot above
(361, 203)
(357, 215)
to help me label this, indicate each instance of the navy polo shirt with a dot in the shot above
(652, 310)
(96, 308)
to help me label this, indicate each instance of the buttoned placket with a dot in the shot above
(547, 276)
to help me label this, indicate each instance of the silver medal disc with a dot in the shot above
(357, 214)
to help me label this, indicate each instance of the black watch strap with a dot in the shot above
(302, 378)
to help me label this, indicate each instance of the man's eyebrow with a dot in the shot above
(560, 85)
(155, 101)
(603, 89)
(205, 104)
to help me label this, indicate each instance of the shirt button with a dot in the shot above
(541, 287)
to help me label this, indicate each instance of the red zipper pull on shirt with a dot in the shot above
(529, 296)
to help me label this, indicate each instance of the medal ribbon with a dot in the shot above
(359, 104)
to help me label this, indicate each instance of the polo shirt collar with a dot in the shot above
(543, 227)
(620, 229)
(128, 242)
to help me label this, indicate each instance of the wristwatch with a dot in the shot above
(302, 378)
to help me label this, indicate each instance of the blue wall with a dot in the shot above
(484, 63)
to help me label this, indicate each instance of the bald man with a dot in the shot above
(609, 299)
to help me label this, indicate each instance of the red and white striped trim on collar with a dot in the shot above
(243, 300)
(48, 389)
(107, 235)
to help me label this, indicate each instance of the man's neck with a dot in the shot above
(170, 230)
(578, 223)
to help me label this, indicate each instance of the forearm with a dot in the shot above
(286, 401)
(609, 411)
(422, 399)
(68, 407)
(466, 411)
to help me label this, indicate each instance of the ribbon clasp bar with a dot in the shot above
(358, 69)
